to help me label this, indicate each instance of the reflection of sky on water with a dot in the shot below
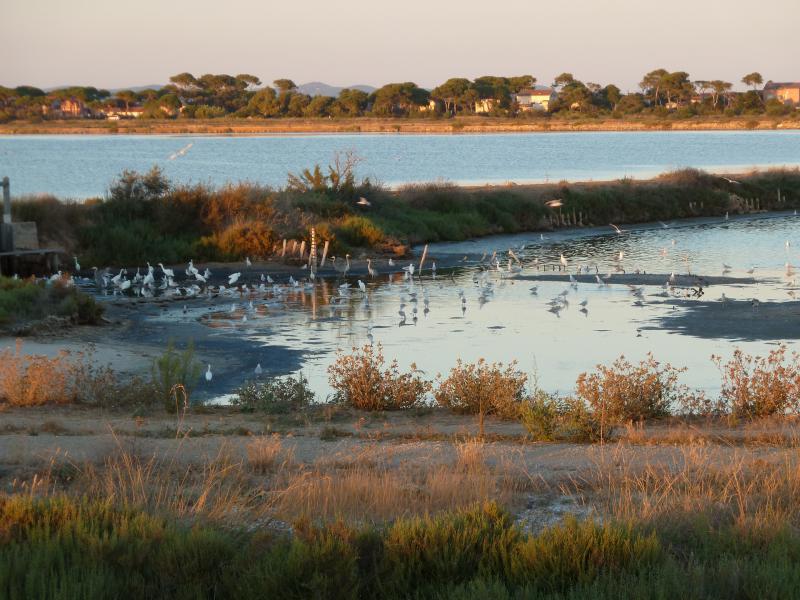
(512, 323)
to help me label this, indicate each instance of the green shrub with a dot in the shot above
(275, 396)
(173, 370)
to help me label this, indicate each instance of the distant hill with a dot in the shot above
(136, 88)
(317, 88)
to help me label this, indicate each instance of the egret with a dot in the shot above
(362, 286)
(77, 264)
(233, 278)
(247, 261)
(209, 374)
(617, 229)
(167, 272)
(363, 202)
(372, 272)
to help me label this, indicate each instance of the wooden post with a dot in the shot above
(302, 249)
(283, 252)
(6, 200)
(324, 253)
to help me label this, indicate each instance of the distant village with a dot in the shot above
(243, 96)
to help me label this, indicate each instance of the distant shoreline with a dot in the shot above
(368, 125)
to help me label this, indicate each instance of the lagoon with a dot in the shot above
(82, 166)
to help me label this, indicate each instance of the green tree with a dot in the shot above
(350, 103)
(719, 89)
(264, 103)
(319, 106)
(753, 79)
(563, 80)
(451, 93)
(398, 98)
(652, 83)
(128, 97)
(284, 85)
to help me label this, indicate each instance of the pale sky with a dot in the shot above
(343, 42)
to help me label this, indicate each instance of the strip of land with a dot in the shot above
(226, 126)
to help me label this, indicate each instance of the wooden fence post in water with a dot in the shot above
(312, 265)
(283, 252)
(324, 253)
(302, 249)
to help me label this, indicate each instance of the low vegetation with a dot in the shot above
(275, 396)
(483, 389)
(31, 299)
(147, 218)
(363, 381)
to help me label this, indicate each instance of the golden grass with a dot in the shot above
(28, 380)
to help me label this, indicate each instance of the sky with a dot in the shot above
(50, 43)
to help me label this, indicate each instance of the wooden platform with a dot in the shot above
(10, 260)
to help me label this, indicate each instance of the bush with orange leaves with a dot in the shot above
(361, 381)
(27, 380)
(483, 388)
(758, 386)
(629, 392)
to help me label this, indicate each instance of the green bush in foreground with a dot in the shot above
(61, 548)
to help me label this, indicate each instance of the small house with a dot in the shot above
(788, 93)
(535, 98)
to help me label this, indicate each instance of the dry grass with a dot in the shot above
(265, 453)
(744, 490)
(27, 380)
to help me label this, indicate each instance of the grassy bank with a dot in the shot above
(146, 218)
(61, 548)
(469, 124)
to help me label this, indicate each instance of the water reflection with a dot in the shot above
(555, 328)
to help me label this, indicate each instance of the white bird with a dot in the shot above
(664, 225)
(233, 278)
(391, 262)
(247, 261)
(363, 202)
(563, 261)
(77, 264)
(167, 272)
(258, 370)
(617, 229)
(372, 272)
(209, 374)
(730, 181)
(362, 286)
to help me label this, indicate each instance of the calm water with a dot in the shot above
(502, 320)
(83, 166)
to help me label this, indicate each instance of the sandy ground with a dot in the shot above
(30, 438)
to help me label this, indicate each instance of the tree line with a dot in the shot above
(244, 96)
